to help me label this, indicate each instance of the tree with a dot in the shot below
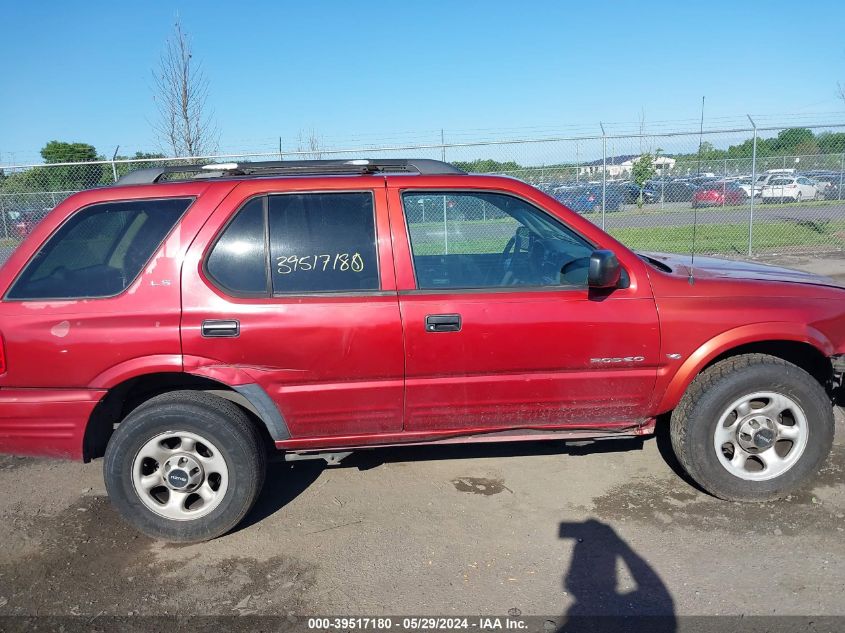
(486, 166)
(68, 177)
(309, 146)
(831, 142)
(794, 140)
(61, 152)
(185, 126)
(641, 171)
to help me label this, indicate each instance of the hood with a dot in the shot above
(713, 267)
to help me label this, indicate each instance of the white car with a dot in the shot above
(745, 184)
(795, 188)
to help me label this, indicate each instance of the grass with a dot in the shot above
(655, 208)
(732, 238)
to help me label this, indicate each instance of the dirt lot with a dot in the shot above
(543, 528)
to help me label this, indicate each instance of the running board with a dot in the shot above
(332, 459)
(334, 454)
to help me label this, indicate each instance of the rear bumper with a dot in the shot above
(45, 422)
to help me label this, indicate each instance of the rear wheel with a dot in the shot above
(752, 428)
(185, 466)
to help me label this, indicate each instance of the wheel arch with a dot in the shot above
(799, 344)
(125, 396)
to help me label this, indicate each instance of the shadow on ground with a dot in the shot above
(613, 587)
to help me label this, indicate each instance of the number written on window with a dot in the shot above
(320, 263)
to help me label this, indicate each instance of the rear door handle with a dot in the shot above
(443, 323)
(221, 328)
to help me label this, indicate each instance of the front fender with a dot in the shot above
(743, 335)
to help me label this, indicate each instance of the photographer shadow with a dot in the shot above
(593, 581)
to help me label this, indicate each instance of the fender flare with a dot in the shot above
(244, 387)
(743, 335)
(236, 378)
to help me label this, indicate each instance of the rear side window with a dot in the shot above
(323, 243)
(99, 251)
(298, 244)
(238, 261)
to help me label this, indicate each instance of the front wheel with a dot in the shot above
(752, 428)
(185, 466)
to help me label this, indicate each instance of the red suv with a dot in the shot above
(180, 327)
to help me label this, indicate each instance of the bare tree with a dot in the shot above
(185, 125)
(309, 145)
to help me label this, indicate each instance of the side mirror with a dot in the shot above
(604, 270)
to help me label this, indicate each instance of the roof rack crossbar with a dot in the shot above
(423, 166)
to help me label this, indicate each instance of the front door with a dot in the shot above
(500, 327)
(293, 291)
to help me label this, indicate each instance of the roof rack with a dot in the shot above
(423, 166)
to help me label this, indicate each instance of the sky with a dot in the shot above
(400, 72)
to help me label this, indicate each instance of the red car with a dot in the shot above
(718, 194)
(183, 328)
(22, 222)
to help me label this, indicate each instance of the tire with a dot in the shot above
(196, 439)
(713, 395)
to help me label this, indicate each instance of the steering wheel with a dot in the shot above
(523, 267)
(575, 272)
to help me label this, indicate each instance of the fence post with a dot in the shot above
(113, 166)
(577, 162)
(841, 169)
(445, 225)
(3, 212)
(603, 172)
(753, 183)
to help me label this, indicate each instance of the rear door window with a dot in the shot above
(298, 243)
(98, 251)
(323, 242)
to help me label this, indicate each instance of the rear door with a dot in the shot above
(290, 288)
(500, 328)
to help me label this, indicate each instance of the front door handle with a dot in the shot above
(221, 328)
(443, 323)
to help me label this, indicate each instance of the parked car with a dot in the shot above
(21, 223)
(719, 194)
(836, 191)
(184, 329)
(745, 184)
(792, 188)
(631, 193)
(827, 185)
(589, 199)
(672, 191)
(766, 177)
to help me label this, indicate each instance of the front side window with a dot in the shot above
(490, 240)
(98, 251)
(298, 243)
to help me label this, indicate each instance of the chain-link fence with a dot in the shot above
(739, 191)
